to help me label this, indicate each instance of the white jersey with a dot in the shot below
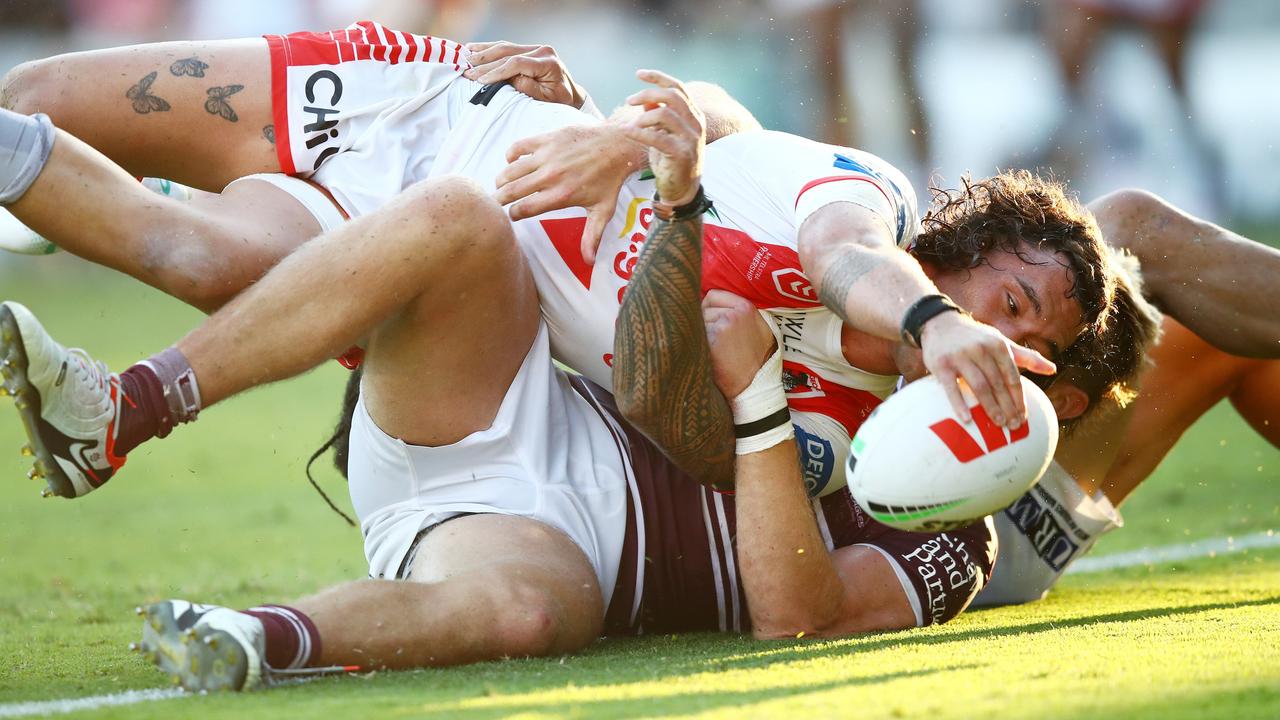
(1041, 534)
(429, 121)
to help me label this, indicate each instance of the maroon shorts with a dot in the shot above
(679, 570)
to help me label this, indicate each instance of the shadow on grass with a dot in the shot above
(759, 654)
(517, 703)
(512, 687)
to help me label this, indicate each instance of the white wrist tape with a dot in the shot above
(760, 416)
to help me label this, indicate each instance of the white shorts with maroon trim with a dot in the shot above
(552, 455)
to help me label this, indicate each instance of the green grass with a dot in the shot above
(222, 513)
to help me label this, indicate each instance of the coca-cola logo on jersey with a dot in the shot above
(793, 284)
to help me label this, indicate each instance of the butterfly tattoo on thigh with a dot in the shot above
(143, 101)
(217, 103)
(188, 66)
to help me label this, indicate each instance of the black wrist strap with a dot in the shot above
(924, 310)
(692, 209)
(763, 425)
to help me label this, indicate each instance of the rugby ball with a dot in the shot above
(915, 466)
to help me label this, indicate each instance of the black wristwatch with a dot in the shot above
(692, 209)
(924, 310)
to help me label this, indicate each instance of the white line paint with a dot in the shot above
(1208, 547)
(95, 702)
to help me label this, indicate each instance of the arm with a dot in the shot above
(850, 255)
(1217, 283)
(794, 585)
(662, 366)
(581, 165)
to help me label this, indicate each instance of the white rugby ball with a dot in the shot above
(914, 465)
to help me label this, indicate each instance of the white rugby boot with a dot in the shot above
(69, 405)
(204, 647)
(18, 238)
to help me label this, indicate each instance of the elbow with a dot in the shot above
(810, 250)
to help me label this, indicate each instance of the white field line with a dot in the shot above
(95, 702)
(1208, 547)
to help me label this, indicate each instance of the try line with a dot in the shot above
(1208, 547)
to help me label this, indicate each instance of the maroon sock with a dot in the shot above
(159, 393)
(292, 640)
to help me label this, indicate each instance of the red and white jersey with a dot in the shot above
(369, 119)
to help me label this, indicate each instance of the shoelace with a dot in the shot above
(88, 369)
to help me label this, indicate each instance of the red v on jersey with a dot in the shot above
(566, 238)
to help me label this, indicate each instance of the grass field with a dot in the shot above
(222, 513)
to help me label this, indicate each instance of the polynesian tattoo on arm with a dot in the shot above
(269, 132)
(143, 101)
(662, 361)
(844, 270)
(193, 67)
(217, 103)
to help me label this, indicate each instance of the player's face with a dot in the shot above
(1023, 297)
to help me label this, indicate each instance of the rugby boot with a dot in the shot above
(69, 405)
(204, 647)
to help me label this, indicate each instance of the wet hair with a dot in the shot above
(1013, 210)
(339, 441)
(1104, 365)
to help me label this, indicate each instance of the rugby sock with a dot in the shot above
(25, 143)
(159, 393)
(291, 640)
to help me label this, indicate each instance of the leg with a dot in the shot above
(162, 110)
(1217, 283)
(483, 587)
(417, 279)
(202, 252)
(424, 274)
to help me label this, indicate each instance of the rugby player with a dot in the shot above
(1221, 340)
(182, 392)
(531, 472)
(544, 76)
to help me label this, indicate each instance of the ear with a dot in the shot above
(1069, 401)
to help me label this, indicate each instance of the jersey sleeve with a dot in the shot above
(804, 176)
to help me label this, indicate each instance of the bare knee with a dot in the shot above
(26, 88)
(457, 216)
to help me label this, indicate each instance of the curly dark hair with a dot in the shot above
(1013, 210)
(1105, 365)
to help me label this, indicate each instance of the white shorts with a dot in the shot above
(308, 195)
(552, 455)
(1041, 534)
